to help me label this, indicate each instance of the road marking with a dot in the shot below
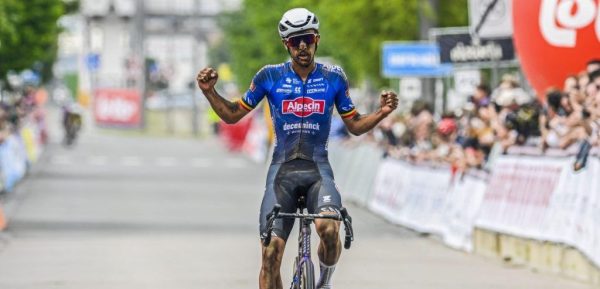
(200, 163)
(166, 162)
(235, 163)
(61, 160)
(136, 161)
(98, 160)
(131, 161)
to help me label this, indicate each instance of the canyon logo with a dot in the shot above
(303, 106)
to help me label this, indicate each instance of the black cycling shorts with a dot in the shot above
(288, 181)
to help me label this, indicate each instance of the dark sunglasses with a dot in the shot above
(295, 41)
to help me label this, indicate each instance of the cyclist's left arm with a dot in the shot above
(357, 123)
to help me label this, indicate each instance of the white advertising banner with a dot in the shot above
(463, 203)
(428, 200)
(388, 197)
(542, 198)
(517, 199)
(537, 197)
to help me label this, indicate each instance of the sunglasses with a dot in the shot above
(295, 41)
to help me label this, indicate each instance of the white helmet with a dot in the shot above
(297, 19)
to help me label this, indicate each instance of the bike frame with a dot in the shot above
(304, 243)
(303, 248)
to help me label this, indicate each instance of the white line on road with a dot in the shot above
(97, 160)
(166, 162)
(235, 163)
(131, 161)
(61, 160)
(200, 163)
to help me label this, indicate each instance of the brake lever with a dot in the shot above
(347, 228)
(270, 219)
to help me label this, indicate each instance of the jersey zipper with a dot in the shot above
(303, 114)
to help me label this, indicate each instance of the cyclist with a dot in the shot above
(72, 121)
(301, 95)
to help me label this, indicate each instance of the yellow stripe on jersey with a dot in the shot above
(349, 114)
(245, 105)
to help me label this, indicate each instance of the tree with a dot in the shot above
(29, 33)
(7, 28)
(252, 37)
(352, 32)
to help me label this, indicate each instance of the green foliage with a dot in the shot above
(352, 32)
(454, 13)
(29, 34)
(7, 20)
(71, 6)
(252, 37)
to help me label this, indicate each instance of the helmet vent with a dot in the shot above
(298, 25)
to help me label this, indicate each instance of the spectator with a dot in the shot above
(508, 116)
(554, 125)
(4, 125)
(592, 65)
(481, 137)
(481, 97)
(447, 150)
(420, 125)
(591, 119)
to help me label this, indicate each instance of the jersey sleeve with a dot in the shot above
(343, 102)
(256, 92)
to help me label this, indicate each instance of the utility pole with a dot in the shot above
(428, 13)
(195, 58)
(140, 53)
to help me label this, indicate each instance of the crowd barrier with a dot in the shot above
(533, 209)
(18, 152)
(354, 169)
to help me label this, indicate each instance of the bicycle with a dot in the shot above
(72, 127)
(304, 271)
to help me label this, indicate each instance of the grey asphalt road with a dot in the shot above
(115, 213)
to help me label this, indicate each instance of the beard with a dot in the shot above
(307, 62)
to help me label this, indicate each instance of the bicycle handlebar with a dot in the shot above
(343, 216)
(308, 216)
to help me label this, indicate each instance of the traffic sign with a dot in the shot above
(412, 59)
(492, 18)
(93, 61)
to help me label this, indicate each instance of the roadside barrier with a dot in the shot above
(530, 209)
(18, 152)
(354, 167)
(3, 222)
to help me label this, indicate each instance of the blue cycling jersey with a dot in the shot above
(300, 110)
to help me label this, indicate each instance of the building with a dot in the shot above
(119, 35)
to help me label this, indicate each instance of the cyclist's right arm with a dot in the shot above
(229, 112)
